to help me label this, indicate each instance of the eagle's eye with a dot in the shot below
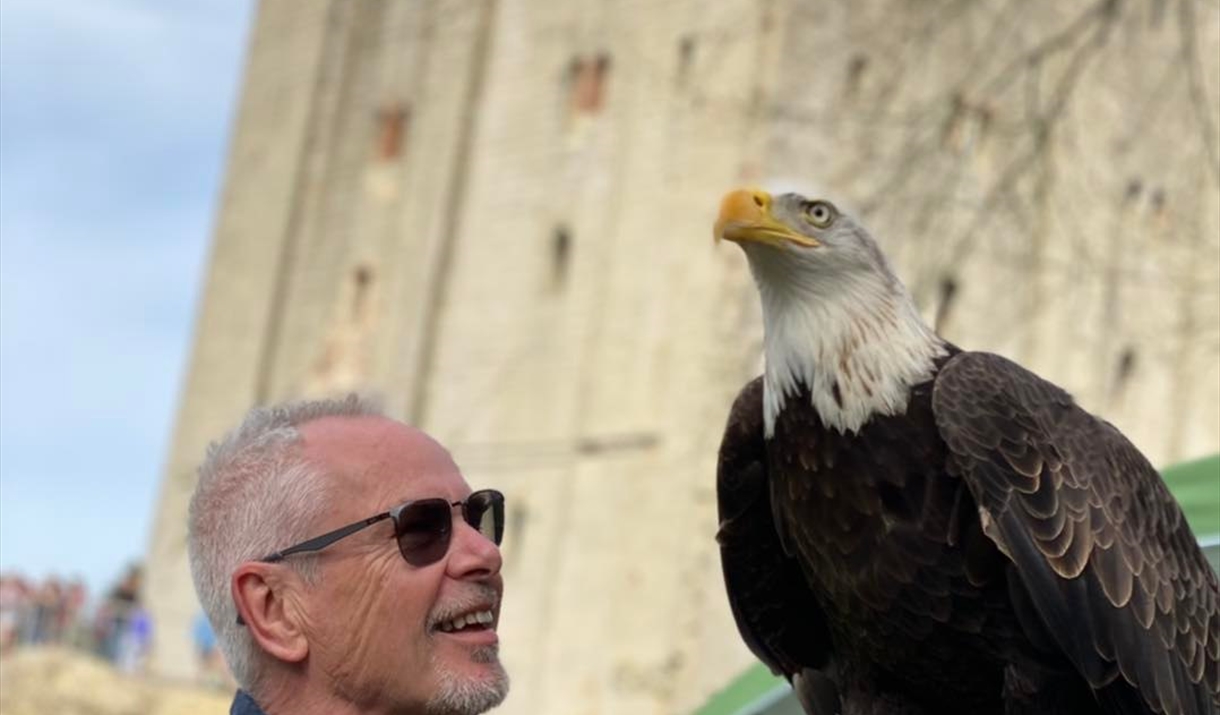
(819, 213)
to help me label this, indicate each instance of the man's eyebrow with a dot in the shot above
(423, 497)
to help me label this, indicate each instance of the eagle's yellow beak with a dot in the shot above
(745, 215)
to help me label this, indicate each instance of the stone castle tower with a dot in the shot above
(496, 215)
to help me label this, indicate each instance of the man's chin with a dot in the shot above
(471, 687)
(488, 655)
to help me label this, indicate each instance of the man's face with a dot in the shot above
(374, 621)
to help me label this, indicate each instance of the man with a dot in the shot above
(347, 567)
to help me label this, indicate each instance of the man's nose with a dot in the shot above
(473, 554)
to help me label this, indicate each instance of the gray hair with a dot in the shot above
(256, 494)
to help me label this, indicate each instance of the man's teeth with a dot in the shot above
(470, 619)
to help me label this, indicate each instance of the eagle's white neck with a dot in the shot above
(858, 344)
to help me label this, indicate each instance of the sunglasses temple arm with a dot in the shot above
(320, 542)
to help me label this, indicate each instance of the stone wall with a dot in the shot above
(497, 216)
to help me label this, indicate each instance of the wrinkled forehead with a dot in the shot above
(376, 454)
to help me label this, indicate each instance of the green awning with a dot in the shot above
(1195, 484)
(746, 694)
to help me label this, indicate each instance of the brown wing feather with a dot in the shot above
(1099, 542)
(776, 613)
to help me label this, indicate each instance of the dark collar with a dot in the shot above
(243, 704)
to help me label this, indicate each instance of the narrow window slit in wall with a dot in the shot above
(561, 249)
(362, 281)
(948, 293)
(1127, 362)
(391, 132)
(1135, 187)
(586, 84)
(686, 59)
(855, 75)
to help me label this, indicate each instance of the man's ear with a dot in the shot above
(264, 596)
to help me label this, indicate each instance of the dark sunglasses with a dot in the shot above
(422, 528)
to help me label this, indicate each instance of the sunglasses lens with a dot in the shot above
(424, 527)
(485, 512)
(423, 531)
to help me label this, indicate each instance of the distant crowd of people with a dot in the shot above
(56, 612)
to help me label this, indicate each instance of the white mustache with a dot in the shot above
(477, 596)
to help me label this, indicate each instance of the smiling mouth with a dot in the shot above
(473, 621)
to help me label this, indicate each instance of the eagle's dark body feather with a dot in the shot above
(858, 565)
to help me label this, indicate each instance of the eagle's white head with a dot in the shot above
(835, 317)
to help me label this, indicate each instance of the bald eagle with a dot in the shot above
(909, 528)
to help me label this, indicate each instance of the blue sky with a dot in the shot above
(114, 123)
